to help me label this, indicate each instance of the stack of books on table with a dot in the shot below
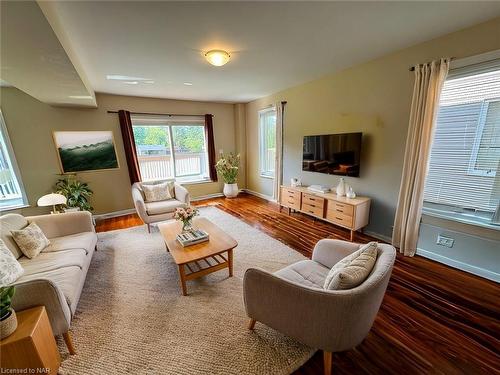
(318, 188)
(192, 237)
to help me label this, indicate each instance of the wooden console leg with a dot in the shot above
(327, 362)
(352, 235)
(69, 343)
(251, 324)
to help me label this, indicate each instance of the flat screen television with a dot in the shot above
(337, 154)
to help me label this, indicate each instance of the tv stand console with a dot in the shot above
(348, 213)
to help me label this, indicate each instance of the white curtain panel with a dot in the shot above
(278, 167)
(429, 79)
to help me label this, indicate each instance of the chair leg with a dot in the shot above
(251, 324)
(149, 228)
(327, 362)
(69, 343)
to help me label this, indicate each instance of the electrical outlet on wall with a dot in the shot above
(445, 241)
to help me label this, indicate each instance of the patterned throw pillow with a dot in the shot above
(157, 192)
(353, 269)
(30, 240)
(10, 268)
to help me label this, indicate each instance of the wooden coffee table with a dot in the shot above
(201, 259)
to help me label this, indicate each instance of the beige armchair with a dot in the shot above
(153, 212)
(294, 302)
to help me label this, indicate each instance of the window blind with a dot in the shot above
(463, 170)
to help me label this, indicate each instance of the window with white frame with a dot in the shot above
(463, 178)
(267, 141)
(171, 147)
(12, 193)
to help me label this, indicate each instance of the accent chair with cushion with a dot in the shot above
(158, 210)
(294, 300)
(55, 276)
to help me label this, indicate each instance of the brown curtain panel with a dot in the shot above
(209, 135)
(129, 146)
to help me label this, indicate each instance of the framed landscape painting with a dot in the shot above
(83, 151)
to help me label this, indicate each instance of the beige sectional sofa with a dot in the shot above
(56, 276)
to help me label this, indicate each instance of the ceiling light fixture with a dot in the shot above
(217, 57)
(131, 82)
(188, 83)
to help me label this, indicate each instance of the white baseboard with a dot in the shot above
(260, 195)
(109, 215)
(378, 236)
(208, 196)
(490, 275)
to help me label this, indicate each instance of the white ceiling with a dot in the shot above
(274, 45)
(33, 59)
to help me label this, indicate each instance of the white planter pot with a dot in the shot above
(230, 190)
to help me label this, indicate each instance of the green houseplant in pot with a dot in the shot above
(8, 319)
(227, 166)
(77, 193)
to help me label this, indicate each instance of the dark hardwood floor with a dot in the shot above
(434, 319)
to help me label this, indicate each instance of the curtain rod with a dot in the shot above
(158, 114)
(412, 68)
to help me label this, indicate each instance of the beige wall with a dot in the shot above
(30, 124)
(373, 98)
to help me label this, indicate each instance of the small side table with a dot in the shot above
(32, 346)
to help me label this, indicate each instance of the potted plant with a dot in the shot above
(227, 167)
(77, 193)
(186, 215)
(8, 320)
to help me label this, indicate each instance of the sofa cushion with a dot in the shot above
(353, 269)
(12, 222)
(52, 261)
(84, 240)
(10, 268)
(163, 207)
(30, 240)
(305, 272)
(67, 279)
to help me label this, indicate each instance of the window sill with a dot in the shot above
(15, 207)
(267, 176)
(460, 218)
(197, 182)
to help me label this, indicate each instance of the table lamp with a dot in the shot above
(51, 200)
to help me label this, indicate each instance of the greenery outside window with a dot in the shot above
(12, 193)
(172, 147)
(267, 142)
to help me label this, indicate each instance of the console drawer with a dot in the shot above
(312, 209)
(290, 198)
(341, 208)
(313, 200)
(339, 218)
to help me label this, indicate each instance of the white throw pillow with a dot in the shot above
(30, 240)
(10, 268)
(157, 192)
(353, 269)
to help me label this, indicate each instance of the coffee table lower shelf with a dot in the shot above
(204, 266)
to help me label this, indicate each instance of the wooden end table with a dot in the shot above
(201, 259)
(32, 347)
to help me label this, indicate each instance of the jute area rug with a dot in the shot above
(132, 318)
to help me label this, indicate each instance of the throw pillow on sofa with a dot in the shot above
(157, 192)
(30, 240)
(353, 269)
(10, 268)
